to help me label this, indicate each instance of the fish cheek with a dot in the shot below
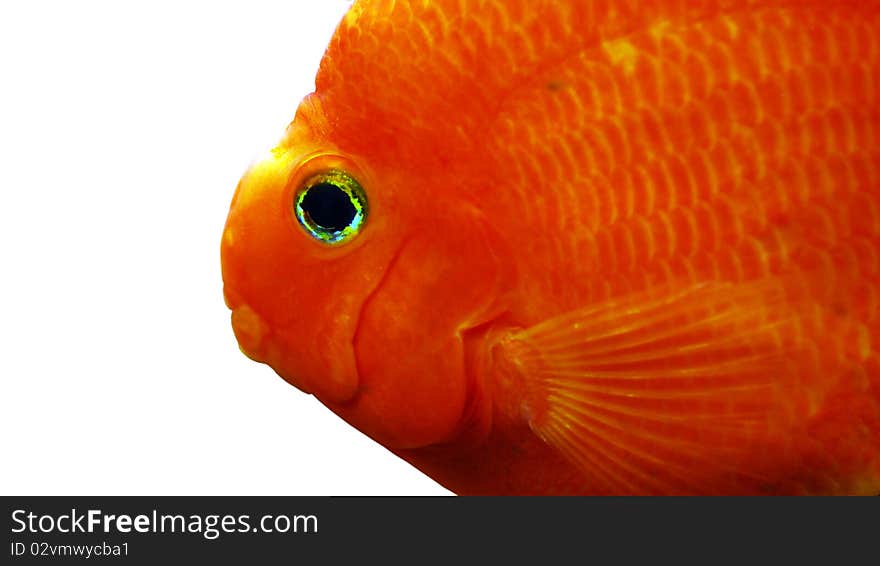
(408, 346)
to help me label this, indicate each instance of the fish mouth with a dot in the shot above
(255, 341)
(251, 332)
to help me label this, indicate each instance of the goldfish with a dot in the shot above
(585, 247)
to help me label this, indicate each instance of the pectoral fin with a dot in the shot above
(675, 391)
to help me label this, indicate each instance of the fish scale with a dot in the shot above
(455, 45)
(738, 150)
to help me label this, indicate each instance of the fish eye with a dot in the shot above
(331, 206)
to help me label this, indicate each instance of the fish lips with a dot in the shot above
(321, 365)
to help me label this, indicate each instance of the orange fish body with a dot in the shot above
(582, 247)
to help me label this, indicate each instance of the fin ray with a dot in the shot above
(665, 392)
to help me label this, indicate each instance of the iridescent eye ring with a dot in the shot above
(331, 206)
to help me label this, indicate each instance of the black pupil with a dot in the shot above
(329, 207)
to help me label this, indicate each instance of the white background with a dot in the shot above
(124, 128)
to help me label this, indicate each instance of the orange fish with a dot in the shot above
(582, 247)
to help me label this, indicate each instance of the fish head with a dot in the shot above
(354, 287)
